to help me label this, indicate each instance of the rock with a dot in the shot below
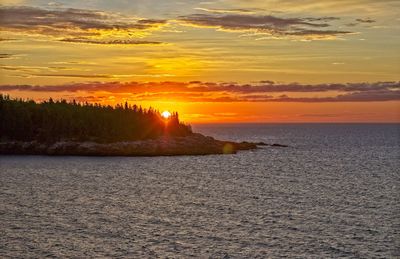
(261, 144)
(278, 145)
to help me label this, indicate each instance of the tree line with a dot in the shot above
(51, 121)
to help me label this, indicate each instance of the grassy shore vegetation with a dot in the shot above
(51, 121)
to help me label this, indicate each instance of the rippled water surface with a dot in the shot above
(333, 193)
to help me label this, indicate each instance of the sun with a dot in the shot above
(166, 114)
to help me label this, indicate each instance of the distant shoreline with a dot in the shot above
(193, 144)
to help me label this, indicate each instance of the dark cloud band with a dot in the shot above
(229, 92)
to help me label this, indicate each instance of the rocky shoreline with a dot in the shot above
(194, 144)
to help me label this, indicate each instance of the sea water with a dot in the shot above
(334, 192)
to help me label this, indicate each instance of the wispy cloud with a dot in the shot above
(361, 21)
(237, 11)
(109, 76)
(266, 24)
(71, 22)
(366, 20)
(6, 55)
(6, 39)
(10, 56)
(111, 42)
(369, 96)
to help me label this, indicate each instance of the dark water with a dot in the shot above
(333, 193)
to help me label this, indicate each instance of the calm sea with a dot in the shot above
(333, 193)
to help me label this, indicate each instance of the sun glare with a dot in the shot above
(166, 114)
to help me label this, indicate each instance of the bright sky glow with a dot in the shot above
(166, 114)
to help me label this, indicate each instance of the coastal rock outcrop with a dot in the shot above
(193, 144)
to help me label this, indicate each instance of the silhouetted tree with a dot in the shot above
(49, 121)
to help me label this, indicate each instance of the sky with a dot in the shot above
(213, 61)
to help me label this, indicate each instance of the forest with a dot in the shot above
(60, 120)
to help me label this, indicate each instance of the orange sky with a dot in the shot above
(216, 61)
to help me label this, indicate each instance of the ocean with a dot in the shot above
(334, 192)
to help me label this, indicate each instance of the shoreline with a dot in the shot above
(193, 144)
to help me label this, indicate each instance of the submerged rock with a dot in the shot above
(278, 145)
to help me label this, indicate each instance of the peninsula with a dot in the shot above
(72, 128)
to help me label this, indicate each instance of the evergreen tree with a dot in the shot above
(55, 120)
